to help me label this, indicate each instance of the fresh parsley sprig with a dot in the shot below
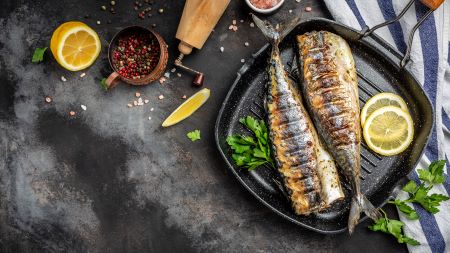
(392, 227)
(419, 193)
(249, 152)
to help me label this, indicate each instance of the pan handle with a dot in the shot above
(432, 4)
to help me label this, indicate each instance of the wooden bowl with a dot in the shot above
(114, 78)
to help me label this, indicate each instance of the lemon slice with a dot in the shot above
(75, 45)
(388, 130)
(381, 100)
(187, 108)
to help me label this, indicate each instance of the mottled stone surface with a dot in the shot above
(109, 179)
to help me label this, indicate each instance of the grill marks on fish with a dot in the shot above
(331, 92)
(292, 139)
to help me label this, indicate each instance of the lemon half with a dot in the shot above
(389, 130)
(75, 45)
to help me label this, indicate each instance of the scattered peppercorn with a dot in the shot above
(136, 55)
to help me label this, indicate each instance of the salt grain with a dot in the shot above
(48, 99)
(234, 21)
(98, 22)
(242, 60)
(290, 11)
(161, 97)
(221, 49)
(167, 75)
(173, 70)
(63, 79)
(151, 109)
(252, 24)
(149, 118)
(129, 105)
(246, 44)
(83, 107)
(137, 94)
(184, 97)
(162, 80)
(308, 9)
(298, 1)
(178, 74)
(82, 74)
(242, 21)
(146, 101)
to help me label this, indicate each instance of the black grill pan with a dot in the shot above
(379, 70)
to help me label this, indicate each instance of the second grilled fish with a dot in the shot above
(331, 93)
(309, 174)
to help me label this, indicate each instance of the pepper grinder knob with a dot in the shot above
(198, 80)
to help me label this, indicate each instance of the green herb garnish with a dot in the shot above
(38, 54)
(434, 174)
(249, 152)
(392, 227)
(194, 135)
(103, 84)
(419, 193)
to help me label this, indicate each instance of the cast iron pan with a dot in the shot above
(379, 70)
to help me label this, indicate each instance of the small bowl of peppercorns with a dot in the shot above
(137, 55)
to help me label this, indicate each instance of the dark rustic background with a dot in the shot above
(109, 179)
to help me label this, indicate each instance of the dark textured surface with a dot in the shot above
(109, 179)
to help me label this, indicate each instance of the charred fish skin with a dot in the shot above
(291, 132)
(331, 93)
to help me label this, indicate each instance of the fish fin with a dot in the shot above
(361, 204)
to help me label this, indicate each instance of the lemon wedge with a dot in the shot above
(381, 100)
(388, 130)
(187, 108)
(75, 45)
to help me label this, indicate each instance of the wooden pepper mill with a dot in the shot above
(198, 20)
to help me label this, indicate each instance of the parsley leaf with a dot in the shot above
(434, 174)
(249, 152)
(407, 210)
(194, 135)
(103, 84)
(394, 228)
(38, 55)
(410, 187)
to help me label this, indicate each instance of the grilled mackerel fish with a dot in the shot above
(331, 92)
(294, 139)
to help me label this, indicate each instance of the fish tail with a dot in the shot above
(361, 204)
(271, 33)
